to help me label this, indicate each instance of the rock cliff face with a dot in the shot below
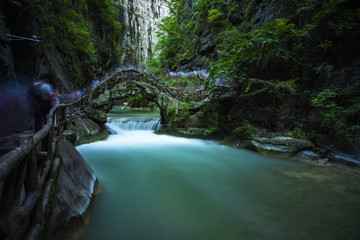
(288, 61)
(140, 19)
(75, 48)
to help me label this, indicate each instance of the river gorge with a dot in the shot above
(256, 133)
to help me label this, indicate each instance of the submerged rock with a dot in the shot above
(338, 157)
(307, 155)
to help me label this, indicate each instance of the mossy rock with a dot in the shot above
(96, 115)
(281, 146)
(293, 143)
(87, 131)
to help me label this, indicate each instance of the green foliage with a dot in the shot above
(171, 113)
(210, 131)
(182, 82)
(214, 16)
(65, 28)
(275, 88)
(334, 15)
(108, 14)
(137, 101)
(153, 65)
(179, 117)
(246, 130)
(296, 133)
(250, 7)
(184, 115)
(268, 41)
(242, 49)
(326, 101)
(323, 68)
(179, 33)
(336, 107)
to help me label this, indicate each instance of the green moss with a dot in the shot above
(65, 29)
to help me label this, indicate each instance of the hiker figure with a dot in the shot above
(40, 97)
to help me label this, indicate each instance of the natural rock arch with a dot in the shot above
(183, 112)
(129, 83)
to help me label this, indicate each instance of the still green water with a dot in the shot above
(158, 187)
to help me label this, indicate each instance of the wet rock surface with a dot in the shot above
(76, 186)
(86, 130)
(140, 19)
(283, 146)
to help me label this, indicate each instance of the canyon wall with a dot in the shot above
(140, 19)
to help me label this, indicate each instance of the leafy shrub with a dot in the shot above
(336, 107)
(64, 28)
(210, 131)
(214, 16)
(246, 130)
(297, 133)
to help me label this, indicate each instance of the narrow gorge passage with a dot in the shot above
(164, 187)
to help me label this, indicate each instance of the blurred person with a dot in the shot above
(40, 98)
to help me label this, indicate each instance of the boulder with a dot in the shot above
(307, 155)
(85, 130)
(70, 135)
(96, 115)
(75, 189)
(338, 157)
(104, 101)
(281, 146)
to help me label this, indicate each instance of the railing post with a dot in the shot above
(32, 180)
(7, 199)
(50, 137)
(21, 174)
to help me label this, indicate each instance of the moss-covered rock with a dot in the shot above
(281, 146)
(86, 130)
(98, 116)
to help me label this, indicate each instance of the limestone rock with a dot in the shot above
(197, 120)
(70, 136)
(307, 155)
(149, 91)
(86, 130)
(281, 146)
(342, 158)
(140, 21)
(75, 189)
(296, 143)
(102, 102)
(96, 115)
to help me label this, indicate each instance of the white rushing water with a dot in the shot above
(118, 126)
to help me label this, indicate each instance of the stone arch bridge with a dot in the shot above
(126, 83)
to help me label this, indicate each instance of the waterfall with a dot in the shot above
(120, 125)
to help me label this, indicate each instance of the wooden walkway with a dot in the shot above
(28, 174)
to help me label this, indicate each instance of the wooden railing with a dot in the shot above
(28, 176)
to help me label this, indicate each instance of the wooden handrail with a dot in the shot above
(23, 174)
